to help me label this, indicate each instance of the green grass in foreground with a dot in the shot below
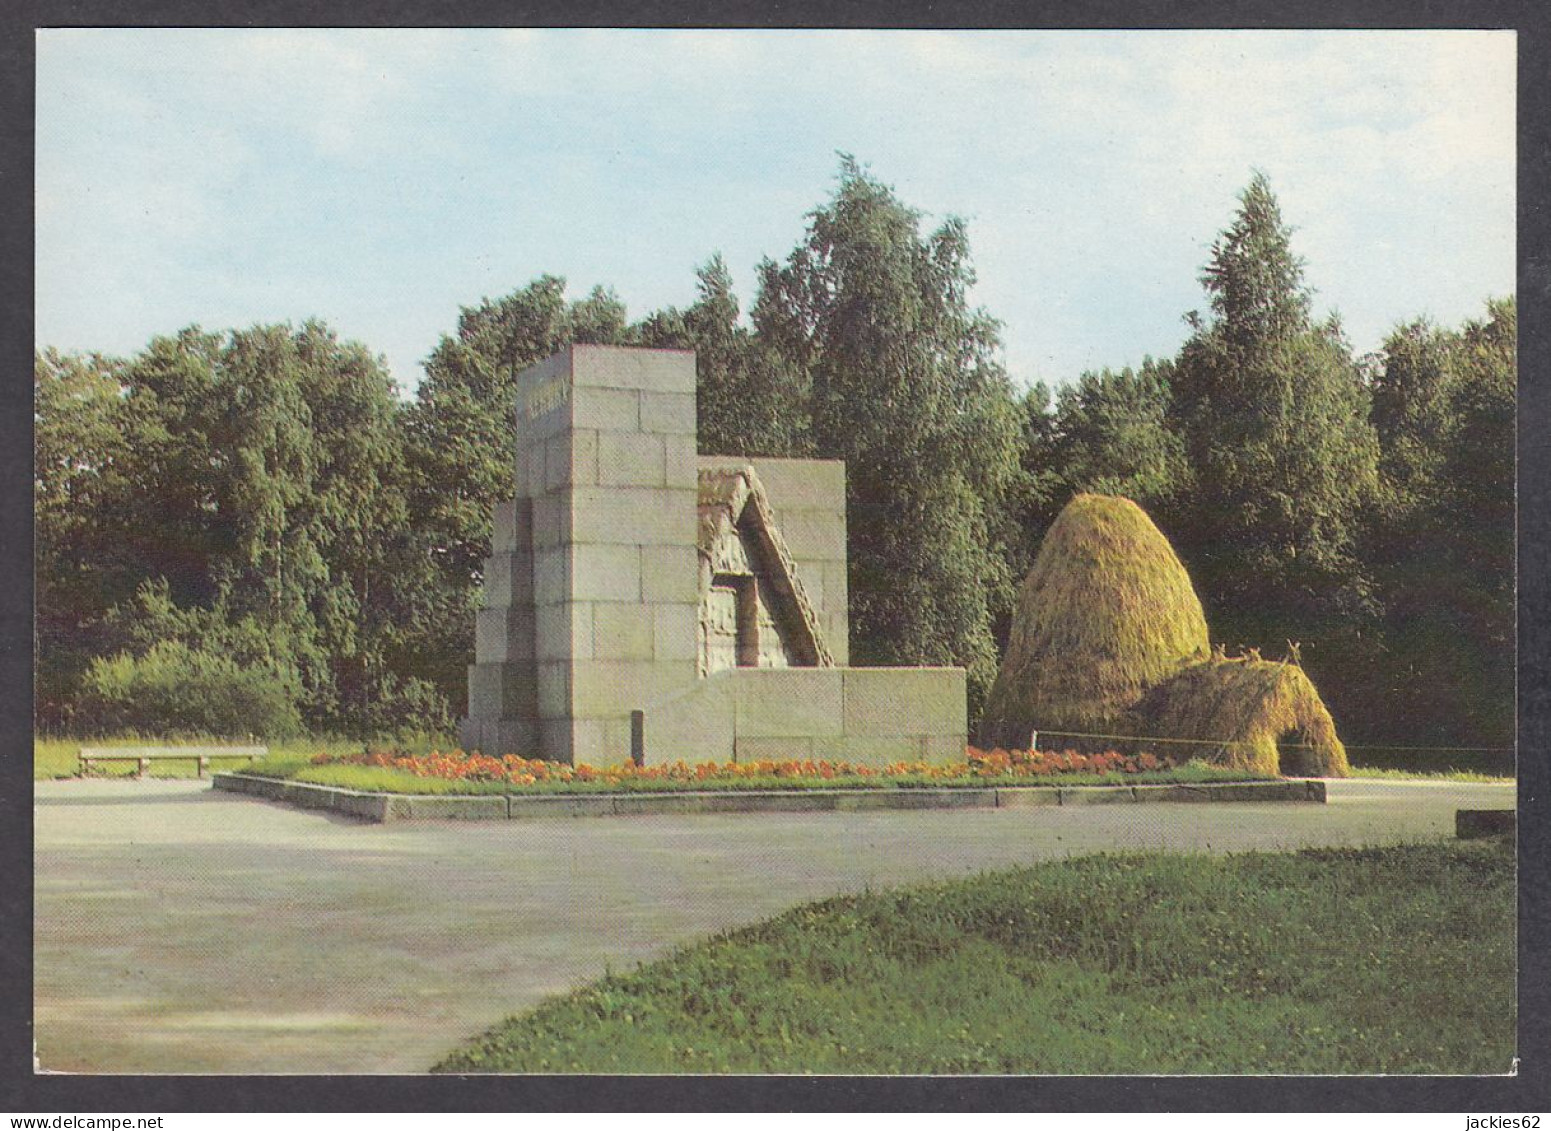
(384, 780)
(55, 757)
(1390, 960)
(1470, 776)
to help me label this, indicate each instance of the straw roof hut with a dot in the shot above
(1106, 612)
(1109, 638)
(1255, 715)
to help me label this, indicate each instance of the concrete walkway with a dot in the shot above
(181, 930)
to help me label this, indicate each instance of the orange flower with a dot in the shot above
(456, 765)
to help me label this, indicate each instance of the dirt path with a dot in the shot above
(182, 930)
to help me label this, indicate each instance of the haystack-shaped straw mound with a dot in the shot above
(1109, 640)
(1106, 613)
(1254, 715)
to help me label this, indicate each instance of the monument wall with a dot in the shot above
(866, 716)
(593, 593)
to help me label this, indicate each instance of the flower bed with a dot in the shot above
(459, 772)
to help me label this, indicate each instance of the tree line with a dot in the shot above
(249, 531)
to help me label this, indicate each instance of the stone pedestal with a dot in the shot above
(591, 588)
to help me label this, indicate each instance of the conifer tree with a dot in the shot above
(1283, 457)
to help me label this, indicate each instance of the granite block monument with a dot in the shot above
(643, 601)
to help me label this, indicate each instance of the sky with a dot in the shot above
(383, 179)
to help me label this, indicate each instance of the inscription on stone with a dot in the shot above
(542, 397)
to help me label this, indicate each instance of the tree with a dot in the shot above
(905, 386)
(80, 449)
(1441, 542)
(1112, 436)
(748, 403)
(1476, 518)
(241, 496)
(459, 437)
(1033, 498)
(1413, 411)
(1275, 423)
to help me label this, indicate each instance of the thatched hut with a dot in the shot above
(1106, 613)
(1255, 715)
(1109, 638)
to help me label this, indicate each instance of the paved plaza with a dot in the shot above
(187, 931)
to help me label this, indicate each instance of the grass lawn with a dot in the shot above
(59, 757)
(1390, 960)
(1377, 773)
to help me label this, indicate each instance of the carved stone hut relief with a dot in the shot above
(753, 611)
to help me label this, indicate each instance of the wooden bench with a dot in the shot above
(145, 755)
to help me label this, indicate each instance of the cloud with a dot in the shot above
(1094, 167)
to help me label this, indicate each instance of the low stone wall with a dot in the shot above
(866, 716)
(383, 807)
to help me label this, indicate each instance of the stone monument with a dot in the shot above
(642, 601)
